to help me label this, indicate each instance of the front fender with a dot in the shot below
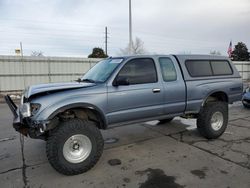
(50, 113)
(95, 102)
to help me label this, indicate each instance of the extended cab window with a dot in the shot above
(167, 69)
(139, 71)
(198, 68)
(221, 68)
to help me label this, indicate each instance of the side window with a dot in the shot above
(167, 69)
(198, 68)
(139, 71)
(221, 68)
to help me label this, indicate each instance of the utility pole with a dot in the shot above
(130, 29)
(106, 41)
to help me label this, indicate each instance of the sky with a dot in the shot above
(74, 27)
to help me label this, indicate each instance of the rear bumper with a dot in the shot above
(235, 97)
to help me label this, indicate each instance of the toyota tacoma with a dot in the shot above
(125, 90)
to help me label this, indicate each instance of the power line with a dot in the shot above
(50, 23)
(46, 32)
(39, 22)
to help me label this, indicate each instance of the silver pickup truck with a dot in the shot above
(125, 90)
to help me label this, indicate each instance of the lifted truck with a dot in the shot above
(124, 90)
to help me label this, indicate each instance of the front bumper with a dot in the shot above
(17, 123)
(26, 126)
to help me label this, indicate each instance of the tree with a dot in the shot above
(240, 52)
(137, 48)
(214, 52)
(37, 53)
(97, 53)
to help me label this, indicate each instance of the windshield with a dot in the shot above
(102, 70)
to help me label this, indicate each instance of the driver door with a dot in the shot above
(141, 98)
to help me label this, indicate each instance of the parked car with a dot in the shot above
(246, 98)
(125, 90)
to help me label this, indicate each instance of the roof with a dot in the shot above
(179, 56)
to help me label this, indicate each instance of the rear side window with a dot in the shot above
(139, 71)
(199, 68)
(167, 69)
(221, 68)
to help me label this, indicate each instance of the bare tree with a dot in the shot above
(137, 48)
(37, 53)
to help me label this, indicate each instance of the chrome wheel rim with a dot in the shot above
(77, 148)
(217, 121)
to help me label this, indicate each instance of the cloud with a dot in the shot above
(62, 27)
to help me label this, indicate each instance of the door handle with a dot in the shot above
(156, 90)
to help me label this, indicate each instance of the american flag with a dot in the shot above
(230, 49)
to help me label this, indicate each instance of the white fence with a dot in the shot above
(244, 68)
(16, 72)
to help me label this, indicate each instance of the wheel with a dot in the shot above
(212, 120)
(162, 121)
(74, 146)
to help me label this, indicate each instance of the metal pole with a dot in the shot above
(130, 28)
(106, 40)
(49, 70)
(242, 71)
(21, 48)
(24, 80)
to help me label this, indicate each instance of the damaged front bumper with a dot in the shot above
(18, 126)
(25, 125)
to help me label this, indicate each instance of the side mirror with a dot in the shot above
(121, 81)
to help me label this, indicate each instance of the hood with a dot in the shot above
(42, 88)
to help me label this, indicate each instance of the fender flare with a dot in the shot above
(103, 125)
(211, 93)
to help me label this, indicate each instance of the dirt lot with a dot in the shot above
(146, 155)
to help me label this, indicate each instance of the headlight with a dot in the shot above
(25, 109)
(28, 109)
(34, 108)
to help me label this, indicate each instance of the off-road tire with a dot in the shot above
(204, 124)
(55, 143)
(162, 121)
